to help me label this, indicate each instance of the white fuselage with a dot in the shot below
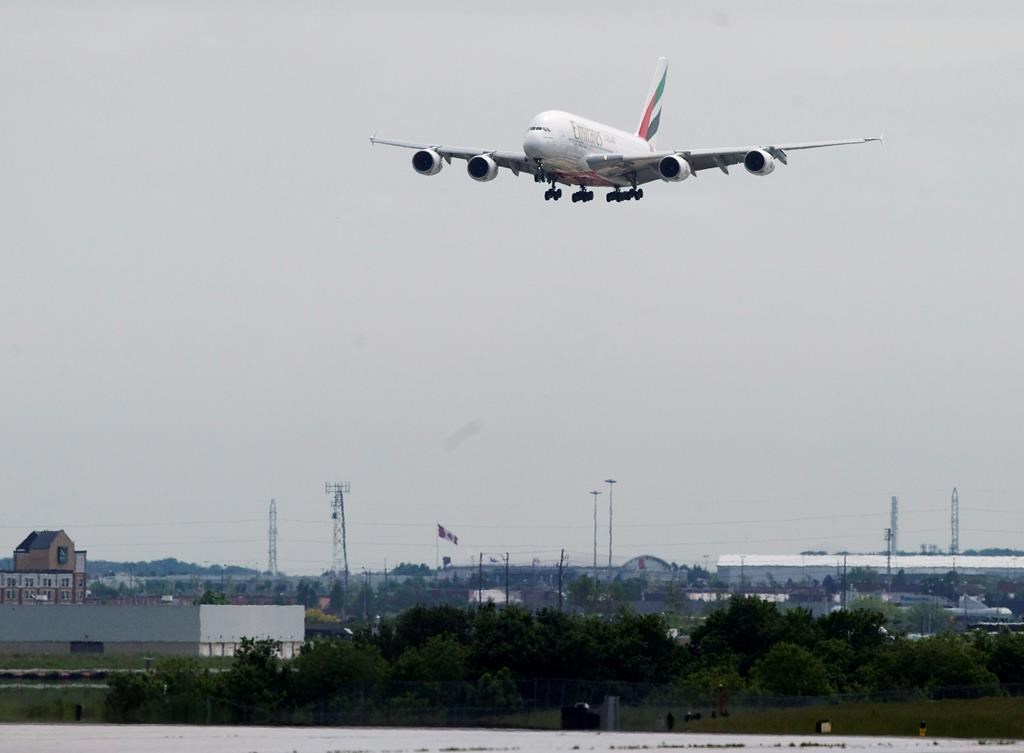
(561, 142)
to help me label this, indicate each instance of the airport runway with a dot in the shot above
(98, 738)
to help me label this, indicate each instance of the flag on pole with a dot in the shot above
(444, 533)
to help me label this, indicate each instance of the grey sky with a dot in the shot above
(215, 292)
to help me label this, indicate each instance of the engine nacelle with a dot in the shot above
(673, 168)
(427, 162)
(482, 168)
(758, 162)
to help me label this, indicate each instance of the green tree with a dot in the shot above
(441, 659)
(186, 685)
(840, 662)
(305, 594)
(414, 626)
(1006, 657)
(743, 631)
(326, 668)
(129, 696)
(505, 638)
(925, 618)
(407, 568)
(641, 649)
(860, 628)
(255, 682)
(584, 593)
(570, 646)
(318, 616)
(938, 661)
(213, 597)
(498, 690)
(788, 669)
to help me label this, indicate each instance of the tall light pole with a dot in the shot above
(611, 482)
(595, 493)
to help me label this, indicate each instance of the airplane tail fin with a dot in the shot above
(651, 118)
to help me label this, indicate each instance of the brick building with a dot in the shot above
(47, 570)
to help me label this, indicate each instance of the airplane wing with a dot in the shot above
(517, 162)
(646, 166)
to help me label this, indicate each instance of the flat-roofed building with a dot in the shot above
(769, 569)
(203, 630)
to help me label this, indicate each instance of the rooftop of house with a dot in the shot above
(37, 540)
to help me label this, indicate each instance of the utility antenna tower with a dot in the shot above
(888, 557)
(272, 540)
(611, 483)
(954, 523)
(339, 551)
(894, 524)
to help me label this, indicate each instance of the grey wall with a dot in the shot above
(150, 624)
(99, 623)
(64, 647)
(228, 624)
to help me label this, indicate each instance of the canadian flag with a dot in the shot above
(444, 533)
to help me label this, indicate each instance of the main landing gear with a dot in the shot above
(617, 195)
(554, 193)
(582, 195)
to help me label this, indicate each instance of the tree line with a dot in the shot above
(441, 657)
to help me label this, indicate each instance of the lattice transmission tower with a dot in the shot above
(339, 552)
(272, 540)
(954, 523)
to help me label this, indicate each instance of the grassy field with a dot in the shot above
(50, 704)
(80, 662)
(983, 718)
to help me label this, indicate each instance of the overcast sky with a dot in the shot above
(214, 291)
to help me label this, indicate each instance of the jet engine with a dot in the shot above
(482, 168)
(427, 162)
(673, 168)
(758, 162)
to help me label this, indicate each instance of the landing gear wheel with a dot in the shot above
(582, 195)
(557, 194)
(639, 193)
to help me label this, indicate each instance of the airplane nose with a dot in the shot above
(533, 143)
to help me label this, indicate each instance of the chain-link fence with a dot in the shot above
(489, 702)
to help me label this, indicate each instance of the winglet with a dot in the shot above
(373, 138)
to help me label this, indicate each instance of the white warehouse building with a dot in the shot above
(778, 569)
(201, 630)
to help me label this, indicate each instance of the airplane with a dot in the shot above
(559, 147)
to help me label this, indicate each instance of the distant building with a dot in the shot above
(654, 568)
(770, 569)
(47, 570)
(206, 630)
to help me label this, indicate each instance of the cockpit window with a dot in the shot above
(539, 128)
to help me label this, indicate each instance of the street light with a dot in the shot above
(610, 482)
(595, 493)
